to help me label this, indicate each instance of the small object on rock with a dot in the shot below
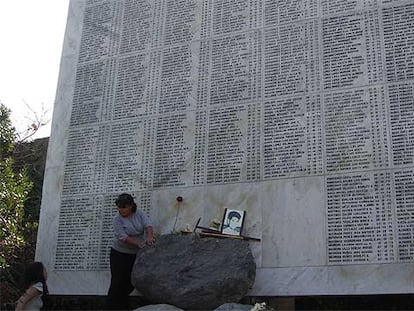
(215, 224)
(187, 229)
(194, 273)
(261, 306)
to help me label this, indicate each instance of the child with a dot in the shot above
(35, 282)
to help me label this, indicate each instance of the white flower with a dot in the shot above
(259, 306)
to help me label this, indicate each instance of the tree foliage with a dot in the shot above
(7, 133)
(14, 191)
(31, 156)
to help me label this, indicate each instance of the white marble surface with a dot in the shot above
(245, 197)
(287, 214)
(171, 216)
(334, 280)
(294, 212)
(54, 170)
(78, 282)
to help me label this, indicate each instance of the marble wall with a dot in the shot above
(297, 112)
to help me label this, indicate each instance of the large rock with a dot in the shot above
(161, 307)
(234, 307)
(194, 273)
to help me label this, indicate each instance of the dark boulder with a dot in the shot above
(161, 307)
(234, 307)
(194, 273)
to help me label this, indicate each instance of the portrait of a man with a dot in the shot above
(233, 222)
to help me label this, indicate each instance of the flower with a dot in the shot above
(259, 306)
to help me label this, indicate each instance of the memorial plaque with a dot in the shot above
(236, 68)
(284, 11)
(292, 137)
(356, 130)
(404, 213)
(233, 149)
(174, 148)
(352, 41)
(85, 160)
(236, 15)
(401, 112)
(100, 26)
(299, 112)
(339, 6)
(136, 91)
(79, 234)
(142, 27)
(178, 87)
(360, 219)
(398, 49)
(182, 21)
(92, 100)
(292, 59)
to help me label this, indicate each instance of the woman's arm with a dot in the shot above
(121, 235)
(131, 241)
(28, 295)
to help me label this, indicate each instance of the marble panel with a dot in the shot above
(78, 283)
(293, 211)
(336, 280)
(169, 215)
(244, 197)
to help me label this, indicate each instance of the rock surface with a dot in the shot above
(234, 307)
(194, 273)
(160, 307)
(224, 307)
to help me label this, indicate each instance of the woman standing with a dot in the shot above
(129, 227)
(35, 283)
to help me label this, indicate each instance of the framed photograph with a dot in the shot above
(233, 222)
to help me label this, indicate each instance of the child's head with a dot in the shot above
(35, 272)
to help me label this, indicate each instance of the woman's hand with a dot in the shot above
(141, 244)
(131, 241)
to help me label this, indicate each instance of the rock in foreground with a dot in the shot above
(194, 273)
(161, 307)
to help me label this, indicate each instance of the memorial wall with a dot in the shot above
(300, 112)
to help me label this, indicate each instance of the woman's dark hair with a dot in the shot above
(34, 274)
(126, 199)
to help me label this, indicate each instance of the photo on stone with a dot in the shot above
(233, 221)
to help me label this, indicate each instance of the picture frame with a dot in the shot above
(233, 221)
